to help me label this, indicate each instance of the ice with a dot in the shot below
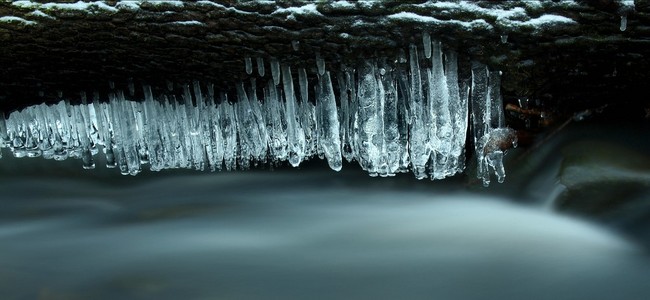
(419, 135)
(276, 122)
(426, 41)
(249, 65)
(491, 137)
(131, 86)
(295, 45)
(275, 71)
(458, 107)
(391, 115)
(623, 23)
(320, 64)
(260, 66)
(391, 148)
(345, 118)
(439, 111)
(295, 135)
(328, 122)
(252, 142)
(366, 116)
(302, 81)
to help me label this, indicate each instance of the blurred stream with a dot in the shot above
(572, 221)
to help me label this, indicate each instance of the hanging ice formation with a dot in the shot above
(391, 118)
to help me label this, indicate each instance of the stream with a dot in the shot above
(572, 221)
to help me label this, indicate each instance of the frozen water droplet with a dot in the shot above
(504, 38)
(295, 45)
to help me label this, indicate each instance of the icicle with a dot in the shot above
(391, 116)
(295, 135)
(260, 66)
(320, 64)
(346, 147)
(302, 80)
(623, 23)
(249, 65)
(491, 139)
(275, 71)
(441, 141)
(276, 122)
(131, 87)
(458, 107)
(419, 141)
(229, 129)
(252, 140)
(426, 41)
(392, 150)
(328, 125)
(367, 118)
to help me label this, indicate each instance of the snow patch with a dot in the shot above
(210, 3)
(220, 6)
(13, 19)
(25, 4)
(78, 6)
(342, 5)
(413, 17)
(164, 2)
(197, 23)
(308, 9)
(128, 5)
(40, 14)
(549, 19)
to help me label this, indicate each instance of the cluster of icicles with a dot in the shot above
(390, 118)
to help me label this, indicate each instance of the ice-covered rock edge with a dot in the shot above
(390, 117)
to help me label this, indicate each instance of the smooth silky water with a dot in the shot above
(312, 233)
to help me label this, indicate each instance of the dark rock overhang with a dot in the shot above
(563, 55)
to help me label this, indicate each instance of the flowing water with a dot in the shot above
(571, 222)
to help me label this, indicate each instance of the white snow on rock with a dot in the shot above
(548, 19)
(161, 2)
(308, 9)
(40, 14)
(128, 5)
(14, 19)
(413, 17)
(342, 5)
(506, 17)
(79, 5)
(193, 22)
